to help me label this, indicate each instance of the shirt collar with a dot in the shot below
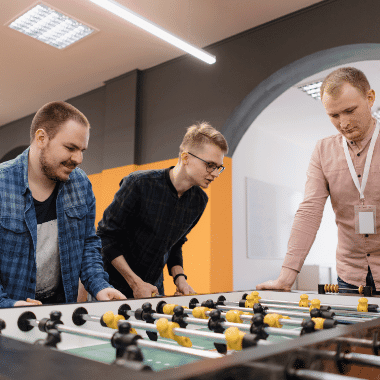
(24, 158)
(365, 141)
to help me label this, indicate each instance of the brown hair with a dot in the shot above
(333, 83)
(203, 133)
(52, 115)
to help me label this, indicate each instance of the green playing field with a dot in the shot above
(156, 359)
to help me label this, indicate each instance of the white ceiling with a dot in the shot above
(33, 73)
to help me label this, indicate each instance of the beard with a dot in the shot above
(49, 169)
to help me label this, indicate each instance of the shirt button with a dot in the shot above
(359, 175)
(358, 154)
(352, 142)
(368, 254)
(366, 235)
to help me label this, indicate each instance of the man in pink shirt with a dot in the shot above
(345, 167)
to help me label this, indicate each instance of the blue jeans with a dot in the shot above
(346, 286)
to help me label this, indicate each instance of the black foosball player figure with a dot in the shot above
(344, 167)
(145, 226)
(128, 354)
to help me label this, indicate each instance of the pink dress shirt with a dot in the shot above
(328, 175)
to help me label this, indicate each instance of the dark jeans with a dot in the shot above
(346, 286)
(160, 285)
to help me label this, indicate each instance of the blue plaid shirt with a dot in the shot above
(79, 247)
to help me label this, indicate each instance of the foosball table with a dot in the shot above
(239, 335)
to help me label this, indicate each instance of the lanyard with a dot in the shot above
(367, 162)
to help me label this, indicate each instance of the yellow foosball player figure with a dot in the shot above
(304, 300)
(165, 329)
(315, 304)
(363, 304)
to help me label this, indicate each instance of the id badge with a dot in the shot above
(365, 219)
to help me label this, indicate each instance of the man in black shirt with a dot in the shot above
(146, 225)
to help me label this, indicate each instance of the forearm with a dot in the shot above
(140, 288)
(304, 230)
(309, 215)
(125, 270)
(177, 269)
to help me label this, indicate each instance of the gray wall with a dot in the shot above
(141, 117)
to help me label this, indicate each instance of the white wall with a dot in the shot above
(276, 149)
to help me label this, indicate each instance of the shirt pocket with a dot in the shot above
(14, 237)
(76, 222)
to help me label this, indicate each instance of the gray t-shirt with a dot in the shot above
(49, 287)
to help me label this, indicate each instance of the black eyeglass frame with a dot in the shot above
(210, 165)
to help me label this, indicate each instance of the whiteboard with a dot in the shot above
(270, 214)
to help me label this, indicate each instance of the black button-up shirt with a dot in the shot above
(146, 223)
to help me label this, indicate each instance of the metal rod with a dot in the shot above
(370, 360)
(219, 338)
(284, 321)
(204, 322)
(305, 314)
(355, 342)
(335, 307)
(306, 374)
(179, 349)
(362, 359)
(141, 343)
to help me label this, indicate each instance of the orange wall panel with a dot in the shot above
(221, 277)
(207, 254)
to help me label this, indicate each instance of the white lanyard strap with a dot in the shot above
(367, 162)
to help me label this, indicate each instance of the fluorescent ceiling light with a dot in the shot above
(50, 26)
(312, 89)
(141, 22)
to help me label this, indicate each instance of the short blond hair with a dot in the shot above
(203, 133)
(333, 83)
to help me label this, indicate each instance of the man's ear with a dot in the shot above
(41, 137)
(371, 96)
(184, 157)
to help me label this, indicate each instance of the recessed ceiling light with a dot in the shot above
(50, 26)
(312, 89)
(149, 26)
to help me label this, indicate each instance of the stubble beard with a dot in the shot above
(48, 170)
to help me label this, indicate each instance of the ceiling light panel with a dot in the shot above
(51, 26)
(312, 89)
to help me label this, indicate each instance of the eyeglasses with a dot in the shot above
(210, 167)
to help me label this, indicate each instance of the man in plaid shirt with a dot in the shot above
(47, 216)
(146, 225)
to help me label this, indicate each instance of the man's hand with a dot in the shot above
(109, 294)
(183, 288)
(28, 302)
(142, 289)
(284, 282)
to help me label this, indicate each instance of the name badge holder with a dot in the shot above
(365, 215)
